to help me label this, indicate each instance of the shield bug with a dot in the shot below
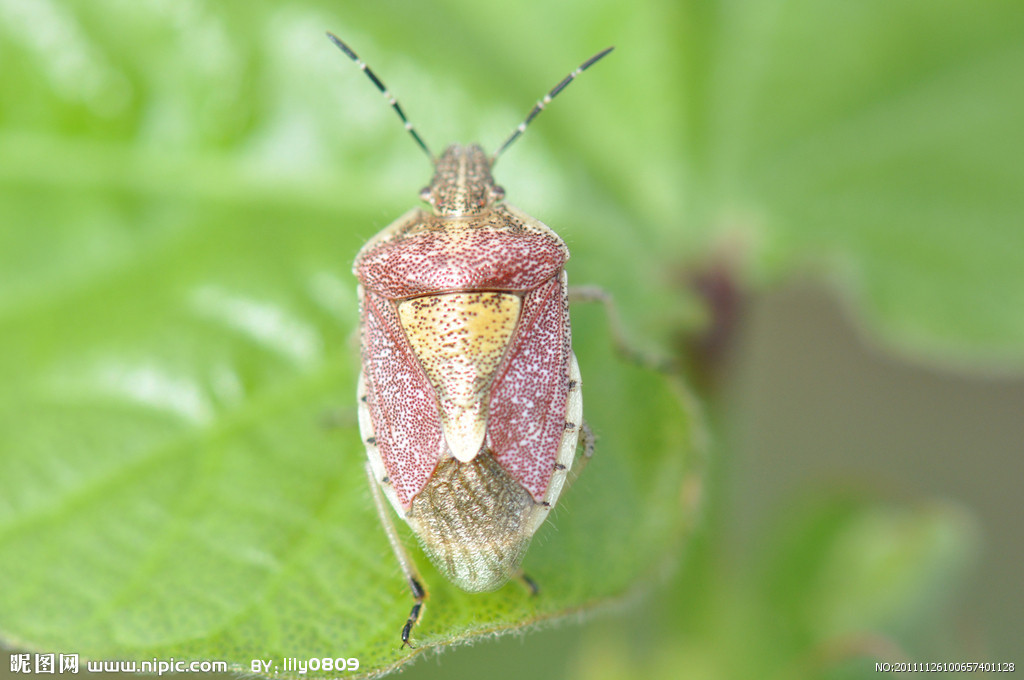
(469, 396)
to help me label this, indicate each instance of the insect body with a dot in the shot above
(472, 391)
(470, 395)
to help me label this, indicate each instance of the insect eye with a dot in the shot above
(426, 195)
(497, 192)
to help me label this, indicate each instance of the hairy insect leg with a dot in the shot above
(622, 344)
(412, 576)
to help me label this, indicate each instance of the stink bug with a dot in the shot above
(470, 399)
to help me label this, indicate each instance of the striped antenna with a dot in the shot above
(383, 90)
(547, 100)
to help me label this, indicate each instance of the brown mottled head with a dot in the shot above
(462, 183)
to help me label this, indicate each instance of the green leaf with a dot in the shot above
(171, 487)
(878, 144)
(182, 195)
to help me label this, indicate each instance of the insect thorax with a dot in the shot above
(462, 183)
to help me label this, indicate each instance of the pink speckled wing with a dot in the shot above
(528, 398)
(402, 403)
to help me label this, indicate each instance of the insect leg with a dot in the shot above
(529, 583)
(412, 577)
(622, 344)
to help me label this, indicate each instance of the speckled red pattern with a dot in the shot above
(402, 403)
(476, 257)
(528, 397)
(498, 250)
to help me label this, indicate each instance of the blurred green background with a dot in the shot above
(183, 185)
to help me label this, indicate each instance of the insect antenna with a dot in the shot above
(539, 106)
(383, 90)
